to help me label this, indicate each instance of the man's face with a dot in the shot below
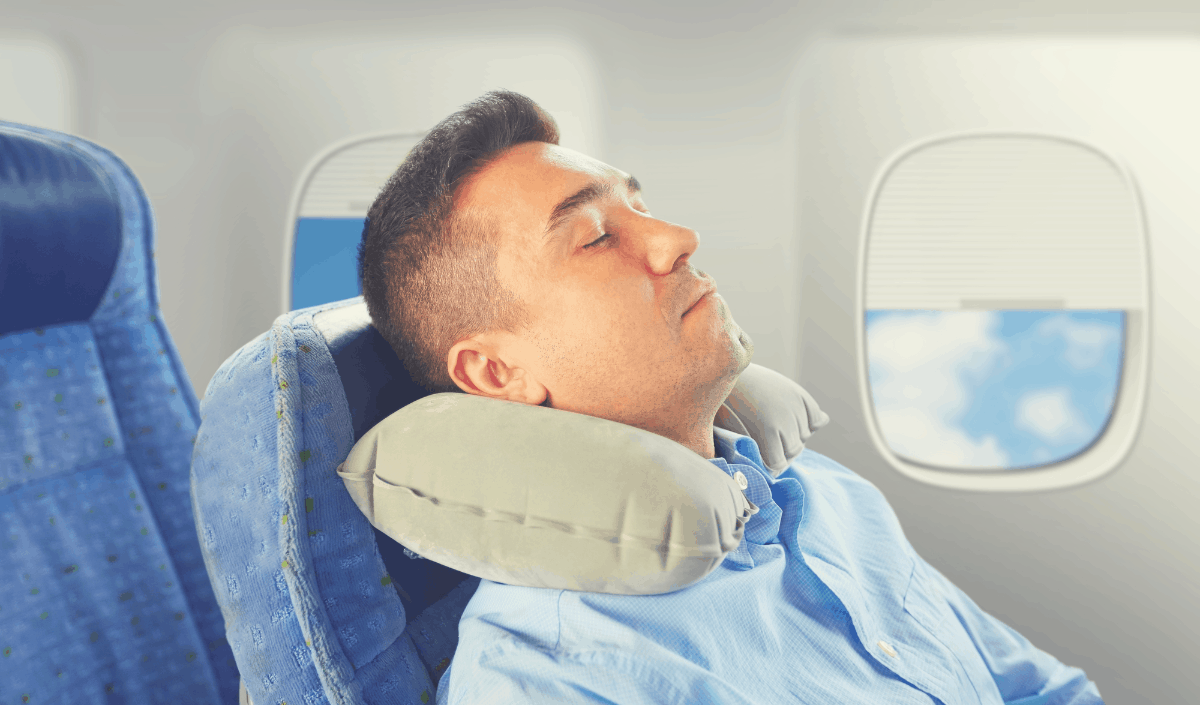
(606, 284)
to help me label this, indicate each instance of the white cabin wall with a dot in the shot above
(283, 95)
(43, 92)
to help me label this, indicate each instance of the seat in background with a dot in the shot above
(103, 592)
(319, 606)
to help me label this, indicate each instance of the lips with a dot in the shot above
(704, 291)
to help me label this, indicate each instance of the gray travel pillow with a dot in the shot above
(539, 497)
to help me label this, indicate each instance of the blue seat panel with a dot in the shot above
(97, 425)
(92, 611)
(314, 611)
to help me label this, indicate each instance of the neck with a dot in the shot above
(703, 445)
(695, 433)
(697, 436)
(698, 433)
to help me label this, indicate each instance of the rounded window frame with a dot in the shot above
(1114, 441)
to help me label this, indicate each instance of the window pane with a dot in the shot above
(993, 389)
(325, 260)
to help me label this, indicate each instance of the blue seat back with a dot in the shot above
(319, 606)
(103, 592)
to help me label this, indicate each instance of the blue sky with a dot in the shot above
(993, 389)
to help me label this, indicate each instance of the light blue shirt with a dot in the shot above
(824, 601)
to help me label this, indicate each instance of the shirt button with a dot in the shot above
(739, 478)
(887, 648)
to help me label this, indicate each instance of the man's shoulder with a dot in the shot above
(811, 461)
(498, 612)
(834, 476)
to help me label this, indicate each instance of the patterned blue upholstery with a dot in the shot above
(103, 592)
(319, 607)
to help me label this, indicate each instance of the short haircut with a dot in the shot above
(428, 273)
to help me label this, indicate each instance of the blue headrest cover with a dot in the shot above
(60, 231)
(376, 386)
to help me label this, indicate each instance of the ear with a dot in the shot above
(478, 366)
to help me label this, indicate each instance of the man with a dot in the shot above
(497, 263)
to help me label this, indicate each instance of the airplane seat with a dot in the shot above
(104, 596)
(319, 606)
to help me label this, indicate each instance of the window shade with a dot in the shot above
(347, 181)
(1004, 222)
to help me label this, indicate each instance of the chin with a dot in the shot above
(747, 344)
(738, 356)
(746, 352)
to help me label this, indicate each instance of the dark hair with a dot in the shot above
(428, 273)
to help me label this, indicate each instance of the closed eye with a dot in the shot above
(596, 241)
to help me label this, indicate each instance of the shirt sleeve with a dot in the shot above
(518, 673)
(1024, 674)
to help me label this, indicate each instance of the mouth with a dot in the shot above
(705, 294)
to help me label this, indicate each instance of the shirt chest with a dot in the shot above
(849, 540)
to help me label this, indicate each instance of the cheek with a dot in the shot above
(589, 330)
(603, 325)
(584, 322)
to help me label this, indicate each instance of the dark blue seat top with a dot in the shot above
(377, 385)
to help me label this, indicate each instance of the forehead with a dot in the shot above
(522, 185)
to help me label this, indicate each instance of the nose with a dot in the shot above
(668, 246)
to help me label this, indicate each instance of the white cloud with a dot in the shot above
(920, 367)
(1050, 415)
(1087, 341)
(915, 434)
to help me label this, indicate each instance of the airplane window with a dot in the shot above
(975, 390)
(1004, 302)
(336, 191)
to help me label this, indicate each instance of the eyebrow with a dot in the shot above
(592, 192)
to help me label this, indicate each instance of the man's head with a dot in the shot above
(497, 263)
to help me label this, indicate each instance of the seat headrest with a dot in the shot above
(61, 226)
(374, 379)
(376, 385)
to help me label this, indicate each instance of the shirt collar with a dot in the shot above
(737, 449)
